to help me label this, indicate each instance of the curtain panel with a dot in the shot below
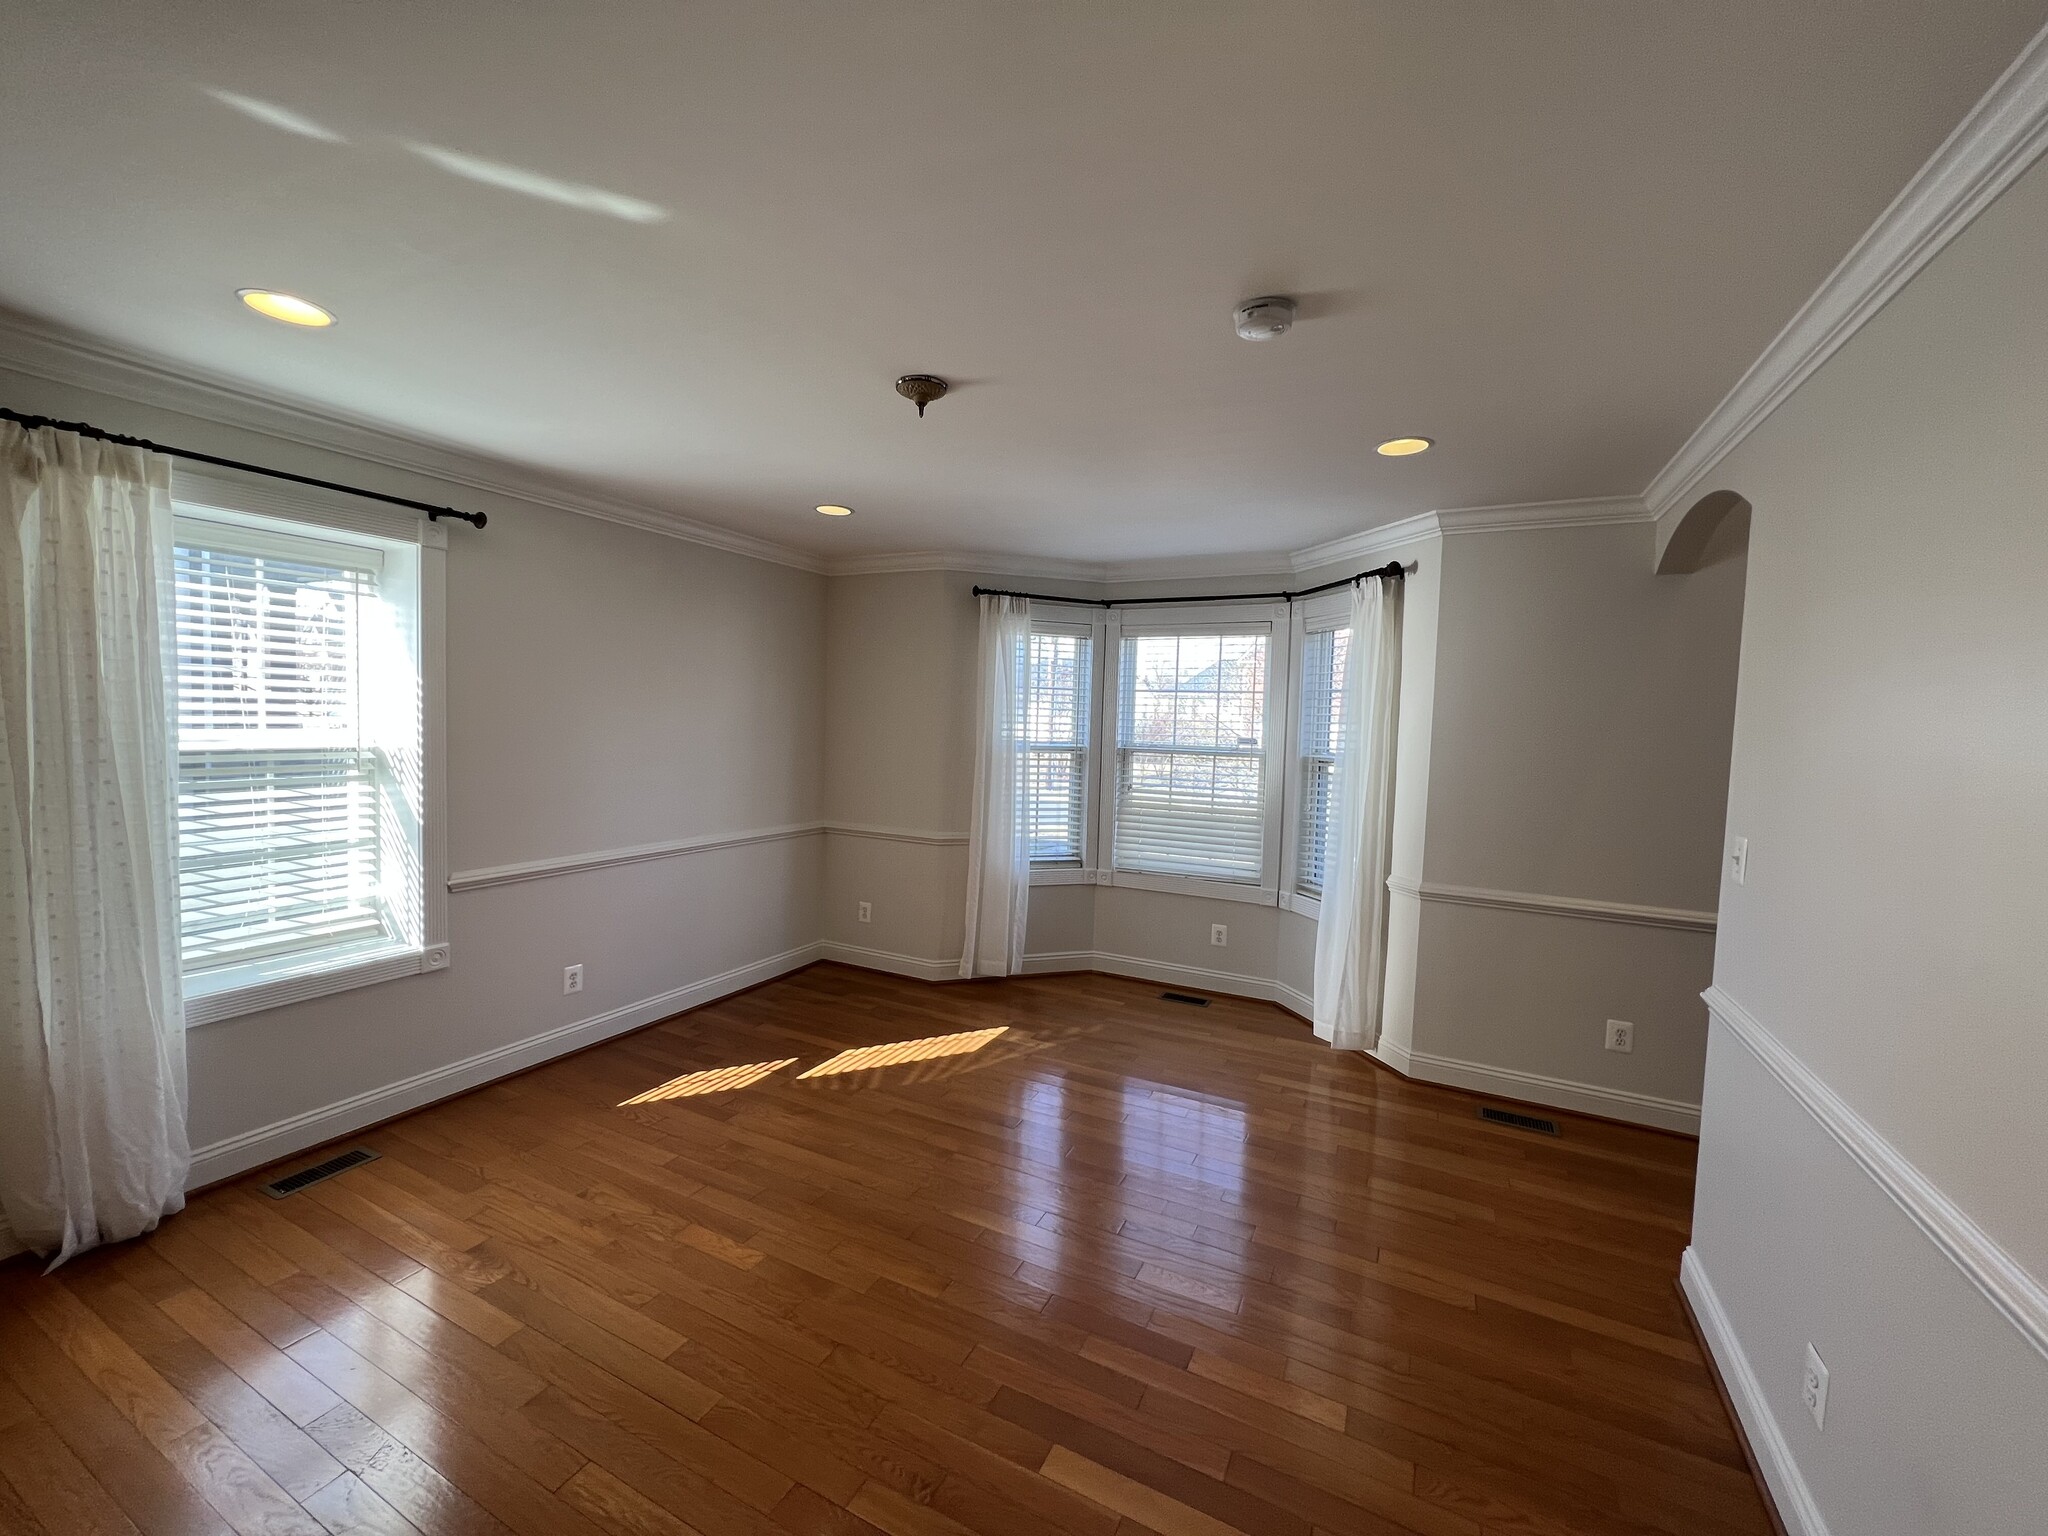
(998, 843)
(1351, 935)
(92, 1050)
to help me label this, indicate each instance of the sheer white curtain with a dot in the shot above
(1351, 936)
(998, 841)
(92, 1046)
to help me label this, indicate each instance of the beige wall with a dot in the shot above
(1891, 776)
(1581, 723)
(606, 687)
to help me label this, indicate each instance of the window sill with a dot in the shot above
(1062, 874)
(1196, 885)
(211, 996)
(1302, 905)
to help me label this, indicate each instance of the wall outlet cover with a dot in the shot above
(867, 911)
(1219, 934)
(1813, 1388)
(1738, 859)
(1621, 1035)
(572, 979)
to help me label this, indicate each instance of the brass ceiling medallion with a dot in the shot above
(921, 389)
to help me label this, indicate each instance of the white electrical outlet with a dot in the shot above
(1738, 859)
(867, 911)
(1621, 1035)
(1814, 1388)
(572, 979)
(1219, 934)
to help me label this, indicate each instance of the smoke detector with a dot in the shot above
(1263, 319)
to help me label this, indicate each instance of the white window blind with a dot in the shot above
(297, 698)
(1190, 770)
(1324, 654)
(1056, 744)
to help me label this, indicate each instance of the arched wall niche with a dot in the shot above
(1711, 528)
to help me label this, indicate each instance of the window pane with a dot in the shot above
(1324, 655)
(1191, 759)
(1056, 708)
(286, 800)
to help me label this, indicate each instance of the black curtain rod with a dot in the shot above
(1393, 570)
(434, 513)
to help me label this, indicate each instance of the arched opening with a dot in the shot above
(1712, 529)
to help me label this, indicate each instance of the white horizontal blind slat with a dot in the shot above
(1190, 771)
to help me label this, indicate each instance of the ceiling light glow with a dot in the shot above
(289, 308)
(1402, 447)
(831, 511)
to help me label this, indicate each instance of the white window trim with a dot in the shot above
(1074, 619)
(272, 987)
(1328, 610)
(1273, 620)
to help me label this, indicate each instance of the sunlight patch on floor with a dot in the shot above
(901, 1051)
(717, 1080)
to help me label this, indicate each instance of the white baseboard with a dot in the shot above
(1197, 977)
(894, 964)
(1557, 1092)
(1766, 1440)
(1294, 1002)
(265, 1144)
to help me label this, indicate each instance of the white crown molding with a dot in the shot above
(61, 357)
(1364, 545)
(1523, 517)
(2003, 134)
(1786, 1484)
(2004, 1281)
(1556, 906)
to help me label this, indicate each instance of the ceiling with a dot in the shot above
(678, 253)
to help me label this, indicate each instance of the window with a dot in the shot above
(298, 705)
(1324, 653)
(1057, 696)
(1191, 762)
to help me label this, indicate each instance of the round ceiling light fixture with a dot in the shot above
(1403, 447)
(832, 511)
(921, 389)
(288, 307)
(1263, 319)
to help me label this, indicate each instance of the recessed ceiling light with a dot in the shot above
(1401, 447)
(837, 511)
(284, 306)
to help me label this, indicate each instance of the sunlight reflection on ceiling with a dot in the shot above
(717, 1080)
(512, 178)
(866, 1056)
(269, 112)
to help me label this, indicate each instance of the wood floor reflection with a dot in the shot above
(1126, 1267)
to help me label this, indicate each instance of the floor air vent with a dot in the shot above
(1519, 1122)
(1185, 997)
(292, 1183)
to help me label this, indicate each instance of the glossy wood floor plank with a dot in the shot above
(1102, 1265)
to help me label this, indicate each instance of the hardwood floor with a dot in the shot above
(1114, 1266)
